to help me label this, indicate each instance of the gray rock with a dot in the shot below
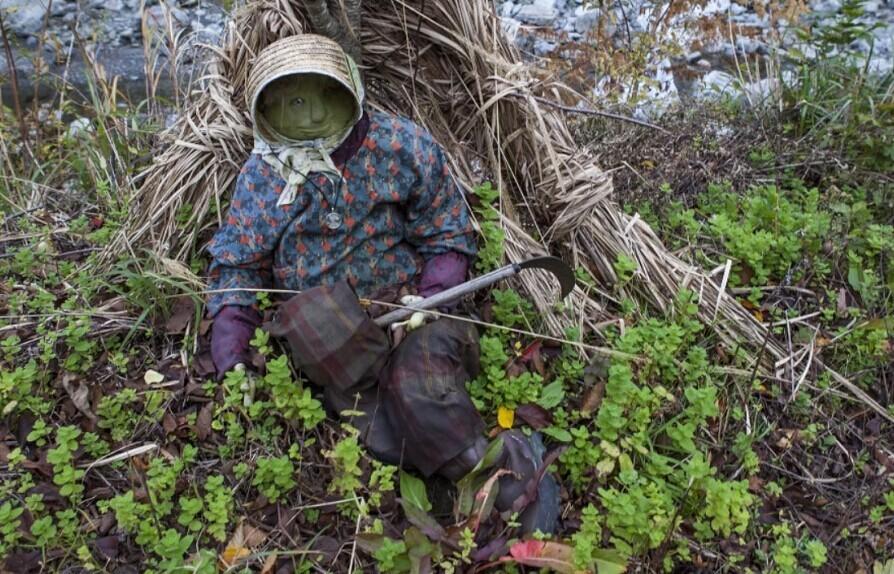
(586, 19)
(24, 17)
(157, 17)
(539, 13)
(861, 46)
(507, 9)
(80, 126)
(717, 82)
(510, 27)
(62, 8)
(826, 6)
(736, 8)
(543, 47)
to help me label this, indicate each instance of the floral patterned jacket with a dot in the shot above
(400, 208)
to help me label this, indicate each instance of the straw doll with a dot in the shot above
(359, 202)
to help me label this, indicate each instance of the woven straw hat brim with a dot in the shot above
(303, 54)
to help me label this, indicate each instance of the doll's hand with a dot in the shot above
(416, 320)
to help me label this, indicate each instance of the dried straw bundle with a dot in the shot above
(447, 64)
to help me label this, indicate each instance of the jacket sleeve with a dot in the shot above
(243, 248)
(438, 218)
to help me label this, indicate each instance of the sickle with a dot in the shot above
(560, 270)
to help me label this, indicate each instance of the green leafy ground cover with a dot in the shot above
(120, 453)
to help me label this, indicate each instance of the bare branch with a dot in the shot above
(342, 24)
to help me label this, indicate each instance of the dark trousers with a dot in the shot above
(419, 413)
(416, 410)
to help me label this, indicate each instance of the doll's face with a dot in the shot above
(307, 106)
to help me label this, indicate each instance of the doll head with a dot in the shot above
(307, 106)
(304, 88)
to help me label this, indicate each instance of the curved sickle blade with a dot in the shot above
(557, 267)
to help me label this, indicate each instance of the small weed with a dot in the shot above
(490, 254)
(274, 477)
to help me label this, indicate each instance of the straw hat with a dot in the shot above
(303, 54)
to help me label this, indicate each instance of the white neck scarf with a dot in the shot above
(294, 161)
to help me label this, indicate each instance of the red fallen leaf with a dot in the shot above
(531, 356)
(183, 312)
(536, 416)
(326, 549)
(48, 491)
(540, 554)
(96, 222)
(530, 359)
(79, 393)
(756, 484)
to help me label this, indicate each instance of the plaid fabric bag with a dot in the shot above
(331, 338)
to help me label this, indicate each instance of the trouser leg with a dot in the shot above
(423, 392)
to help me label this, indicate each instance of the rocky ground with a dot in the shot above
(113, 30)
(695, 52)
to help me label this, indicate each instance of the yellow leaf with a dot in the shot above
(244, 541)
(153, 377)
(505, 417)
(233, 554)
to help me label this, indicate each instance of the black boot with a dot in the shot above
(524, 456)
(463, 463)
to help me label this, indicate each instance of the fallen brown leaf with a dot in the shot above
(169, 423)
(269, 564)
(536, 416)
(79, 394)
(593, 399)
(107, 546)
(203, 421)
(183, 312)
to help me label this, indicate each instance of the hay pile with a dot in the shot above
(447, 65)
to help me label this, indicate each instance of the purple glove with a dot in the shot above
(233, 328)
(442, 272)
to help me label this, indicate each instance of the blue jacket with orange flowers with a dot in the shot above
(399, 205)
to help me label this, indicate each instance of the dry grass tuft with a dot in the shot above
(448, 65)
